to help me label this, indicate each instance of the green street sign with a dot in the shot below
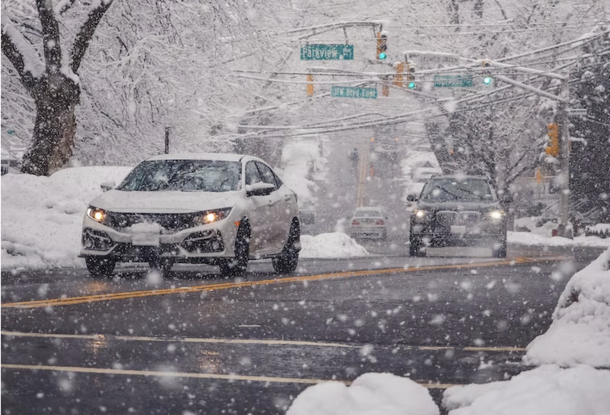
(453, 81)
(327, 52)
(353, 92)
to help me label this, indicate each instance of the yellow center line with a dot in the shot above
(230, 285)
(230, 377)
(271, 342)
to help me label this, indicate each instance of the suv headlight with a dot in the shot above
(96, 214)
(496, 215)
(420, 214)
(211, 216)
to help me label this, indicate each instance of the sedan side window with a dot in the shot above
(252, 174)
(267, 174)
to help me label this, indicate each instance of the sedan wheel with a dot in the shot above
(237, 267)
(288, 260)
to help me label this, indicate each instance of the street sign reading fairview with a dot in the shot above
(327, 52)
(452, 81)
(353, 92)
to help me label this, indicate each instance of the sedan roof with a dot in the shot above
(199, 156)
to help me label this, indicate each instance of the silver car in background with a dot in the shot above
(370, 223)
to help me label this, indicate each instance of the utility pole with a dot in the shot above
(563, 175)
(166, 140)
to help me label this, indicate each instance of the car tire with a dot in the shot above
(236, 267)
(499, 249)
(417, 248)
(288, 260)
(100, 267)
(384, 235)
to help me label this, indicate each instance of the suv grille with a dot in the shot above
(170, 221)
(448, 218)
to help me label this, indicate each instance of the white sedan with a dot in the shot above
(369, 222)
(217, 209)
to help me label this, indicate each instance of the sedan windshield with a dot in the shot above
(184, 176)
(452, 189)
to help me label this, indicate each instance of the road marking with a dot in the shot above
(229, 285)
(177, 340)
(231, 377)
(246, 341)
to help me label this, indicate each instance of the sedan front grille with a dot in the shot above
(169, 221)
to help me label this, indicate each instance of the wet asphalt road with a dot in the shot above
(195, 343)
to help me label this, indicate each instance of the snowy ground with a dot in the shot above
(547, 390)
(42, 216)
(330, 245)
(580, 332)
(533, 239)
(369, 394)
(42, 219)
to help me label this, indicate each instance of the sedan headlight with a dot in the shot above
(96, 214)
(210, 216)
(496, 215)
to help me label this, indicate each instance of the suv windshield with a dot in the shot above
(184, 176)
(442, 190)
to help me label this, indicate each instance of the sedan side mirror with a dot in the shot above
(107, 185)
(259, 189)
(411, 198)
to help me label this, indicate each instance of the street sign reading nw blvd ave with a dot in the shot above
(353, 92)
(452, 81)
(327, 52)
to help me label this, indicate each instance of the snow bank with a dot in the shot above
(42, 216)
(547, 390)
(330, 245)
(370, 394)
(580, 332)
(532, 239)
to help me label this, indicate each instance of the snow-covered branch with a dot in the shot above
(81, 43)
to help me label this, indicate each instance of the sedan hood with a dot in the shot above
(164, 202)
(459, 205)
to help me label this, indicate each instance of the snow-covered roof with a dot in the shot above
(199, 156)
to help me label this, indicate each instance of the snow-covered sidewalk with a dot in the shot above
(533, 239)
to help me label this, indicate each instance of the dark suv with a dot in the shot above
(458, 211)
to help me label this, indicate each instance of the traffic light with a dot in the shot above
(488, 80)
(410, 76)
(382, 46)
(553, 133)
(309, 85)
(485, 64)
(399, 78)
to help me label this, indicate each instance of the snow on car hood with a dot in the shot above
(459, 205)
(164, 202)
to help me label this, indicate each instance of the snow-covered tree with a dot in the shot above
(51, 79)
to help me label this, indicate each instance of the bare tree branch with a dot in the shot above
(64, 7)
(85, 34)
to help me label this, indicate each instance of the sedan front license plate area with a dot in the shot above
(145, 234)
(459, 230)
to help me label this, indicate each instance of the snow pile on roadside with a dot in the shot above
(547, 390)
(580, 332)
(371, 393)
(42, 216)
(532, 239)
(330, 245)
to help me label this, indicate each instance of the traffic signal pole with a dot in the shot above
(564, 161)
